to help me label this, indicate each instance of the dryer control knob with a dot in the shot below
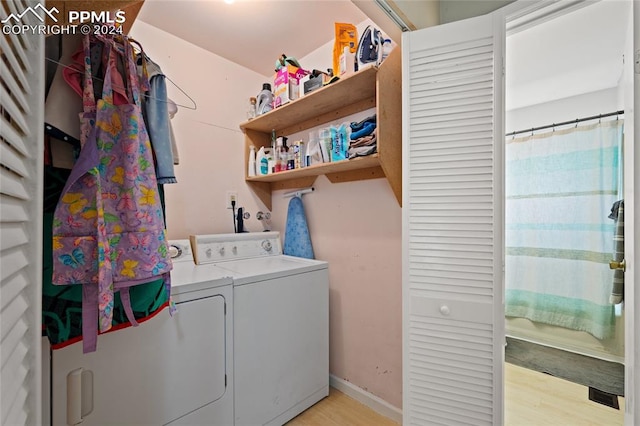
(208, 252)
(266, 244)
(221, 251)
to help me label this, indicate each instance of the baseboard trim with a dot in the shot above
(370, 400)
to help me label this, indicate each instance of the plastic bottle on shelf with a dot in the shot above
(347, 62)
(261, 162)
(271, 163)
(281, 155)
(251, 171)
(264, 100)
(251, 109)
(273, 141)
(387, 47)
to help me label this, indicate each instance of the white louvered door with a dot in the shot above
(453, 321)
(21, 146)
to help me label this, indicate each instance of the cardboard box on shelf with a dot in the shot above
(285, 84)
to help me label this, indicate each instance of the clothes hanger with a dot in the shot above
(191, 107)
(139, 51)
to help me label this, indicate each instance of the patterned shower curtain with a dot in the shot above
(560, 187)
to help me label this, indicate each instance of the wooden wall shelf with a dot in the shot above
(372, 87)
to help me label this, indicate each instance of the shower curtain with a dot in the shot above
(560, 187)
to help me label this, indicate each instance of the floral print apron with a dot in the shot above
(108, 228)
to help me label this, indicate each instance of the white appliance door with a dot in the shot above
(281, 347)
(155, 373)
(453, 133)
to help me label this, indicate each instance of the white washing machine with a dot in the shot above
(281, 325)
(168, 370)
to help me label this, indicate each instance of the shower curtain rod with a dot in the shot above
(564, 123)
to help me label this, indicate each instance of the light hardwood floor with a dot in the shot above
(531, 399)
(339, 409)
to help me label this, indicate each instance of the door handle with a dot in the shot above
(79, 395)
(622, 265)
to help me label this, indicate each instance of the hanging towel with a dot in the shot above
(297, 241)
(617, 214)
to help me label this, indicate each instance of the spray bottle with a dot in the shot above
(251, 171)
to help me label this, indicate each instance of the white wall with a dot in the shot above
(567, 109)
(456, 10)
(210, 143)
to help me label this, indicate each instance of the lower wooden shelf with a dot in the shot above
(359, 168)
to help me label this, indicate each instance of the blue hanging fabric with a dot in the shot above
(297, 241)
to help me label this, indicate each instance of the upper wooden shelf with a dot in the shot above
(357, 88)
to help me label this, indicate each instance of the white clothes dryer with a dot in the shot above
(168, 370)
(281, 325)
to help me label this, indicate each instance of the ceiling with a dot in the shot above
(576, 53)
(252, 33)
(569, 55)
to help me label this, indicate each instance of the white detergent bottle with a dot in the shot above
(264, 100)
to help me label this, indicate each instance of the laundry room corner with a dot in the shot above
(356, 226)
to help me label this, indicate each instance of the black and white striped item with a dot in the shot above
(617, 291)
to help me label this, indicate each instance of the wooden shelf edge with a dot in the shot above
(303, 182)
(375, 172)
(320, 169)
(361, 85)
(389, 103)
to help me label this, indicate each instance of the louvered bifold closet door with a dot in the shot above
(21, 146)
(452, 224)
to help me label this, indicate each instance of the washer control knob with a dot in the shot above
(208, 252)
(221, 251)
(174, 251)
(266, 245)
(235, 250)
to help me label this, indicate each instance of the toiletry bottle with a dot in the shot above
(264, 100)
(289, 161)
(251, 109)
(346, 62)
(302, 154)
(273, 141)
(281, 155)
(271, 163)
(387, 47)
(252, 162)
(261, 162)
(276, 156)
